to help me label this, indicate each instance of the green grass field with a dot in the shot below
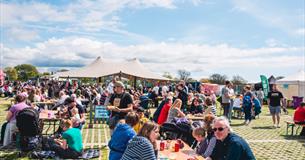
(266, 142)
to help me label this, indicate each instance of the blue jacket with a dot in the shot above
(232, 147)
(119, 140)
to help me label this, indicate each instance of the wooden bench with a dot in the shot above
(292, 124)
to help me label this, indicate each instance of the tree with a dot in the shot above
(62, 70)
(204, 80)
(218, 78)
(238, 80)
(184, 74)
(168, 75)
(26, 71)
(11, 73)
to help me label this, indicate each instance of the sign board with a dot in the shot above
(101, 112)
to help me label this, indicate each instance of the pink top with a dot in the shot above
(16, 108)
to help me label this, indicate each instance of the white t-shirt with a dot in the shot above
(237, 102)
(110, 88)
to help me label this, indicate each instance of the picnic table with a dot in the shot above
(195, 117)
(49, 118)
(48, 103)
(185, 153)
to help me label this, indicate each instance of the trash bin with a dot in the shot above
(297, 101)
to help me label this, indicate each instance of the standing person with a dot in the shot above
(11, 127)
(229, 146)
(260, 95)
(182, 94)
(144, 145)
(247, 104)
(120, 104)
(231, 95)
(275, 98)
(155, 94)
(121, 136)
(225, 99)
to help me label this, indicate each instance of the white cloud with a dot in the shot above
(300, 31)
(200, 59)
(271, 15)
(17, 33)
(78, 16)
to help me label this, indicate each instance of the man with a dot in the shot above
(225, 98)
(229, 146)
(120, 104)
(275, 98)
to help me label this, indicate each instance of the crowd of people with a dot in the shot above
(134, 133)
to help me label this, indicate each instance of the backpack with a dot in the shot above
(27, 121)
(247, 101)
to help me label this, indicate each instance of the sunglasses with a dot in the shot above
(220, 129)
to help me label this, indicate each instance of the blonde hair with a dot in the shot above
(177, 103)
(199, 132)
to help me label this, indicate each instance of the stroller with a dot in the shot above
(27, 121)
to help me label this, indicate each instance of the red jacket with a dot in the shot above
(164, 113)
(299, 115)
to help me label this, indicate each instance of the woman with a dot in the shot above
(175, 111)
(164, 112)
(143, 146)
(11, 127)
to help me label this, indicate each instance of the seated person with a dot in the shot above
(122, 133)
(206, 144)
(196, 107)
(211, 108)
(175, 111)
(70, 146)
(164, 112)
(75, 117)
(144, 145)
(142, 119)
(299, 117)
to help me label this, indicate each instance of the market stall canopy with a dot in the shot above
(295, 78)
(105, 67)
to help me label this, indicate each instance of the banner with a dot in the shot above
(265, 85)
(101, 112)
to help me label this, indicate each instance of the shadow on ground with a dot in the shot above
(263, 127)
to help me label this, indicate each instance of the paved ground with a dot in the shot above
(265, 141)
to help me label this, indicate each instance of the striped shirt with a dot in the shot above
(139, 148)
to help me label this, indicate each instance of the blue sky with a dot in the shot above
(233, 37)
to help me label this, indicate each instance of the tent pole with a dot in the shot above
(135, 83)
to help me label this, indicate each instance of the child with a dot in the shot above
(210, 107)
(75, 117)
(237, 105)
(142, 119)
(121, 136)
(206, 145)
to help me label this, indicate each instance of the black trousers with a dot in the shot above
(68, 153)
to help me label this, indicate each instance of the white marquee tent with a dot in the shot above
(293, 85)
(105, 67)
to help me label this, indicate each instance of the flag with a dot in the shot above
(265, 85)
